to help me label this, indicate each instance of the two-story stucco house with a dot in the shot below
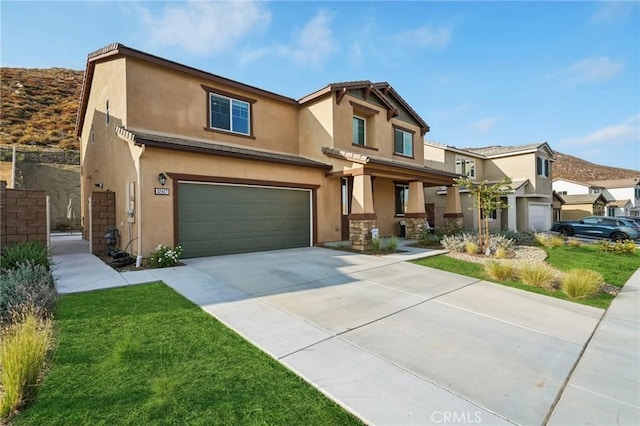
(219, 166)
(528, 166)
(620, 197)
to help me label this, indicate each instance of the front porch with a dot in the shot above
(382, 194)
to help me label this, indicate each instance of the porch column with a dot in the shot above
(512, 217)
(362, 217)
(416, 216)
(453, 210)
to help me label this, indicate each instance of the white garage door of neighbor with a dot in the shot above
(539, 217)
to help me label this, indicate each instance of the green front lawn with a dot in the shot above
(145, 355)
(615, 268)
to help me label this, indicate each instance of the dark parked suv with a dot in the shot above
(599, 226)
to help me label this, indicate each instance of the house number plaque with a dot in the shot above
(162, 191)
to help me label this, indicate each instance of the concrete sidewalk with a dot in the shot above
(398, 343)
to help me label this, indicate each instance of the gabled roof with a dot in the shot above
(164, 141)
(495, 151)
(587, 184)
(114, 49)
(583, 198)
(504, 151)
(559, 197)
(618, 183)
(619, 203)
(382, 90)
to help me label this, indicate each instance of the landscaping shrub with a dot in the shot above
(472, 248)
(392, 244)
(518, 237)
(26, 286)
(537, 275)
(498, 270)
(618, 247)
(165, 256)
(376, 245)
(31, 252)
(23, 351)
(549, 241)
(581, 283)
(458, 242)
(574, 242)
(501, 253)
(497, 241)
(427, 238)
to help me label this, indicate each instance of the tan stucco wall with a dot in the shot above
(168, 101)
(315, 128)
(98, 158)
(519, 167)
(379, 131)
(158, 219)
(576, 211)
(384, 203)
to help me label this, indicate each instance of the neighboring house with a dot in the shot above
(578, 206)
(247, 169)
(558, 202)
(622, 195)
(528, 166)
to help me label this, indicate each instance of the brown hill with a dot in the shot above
(574, 168)
(39, 106)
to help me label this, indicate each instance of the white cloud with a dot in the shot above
(612, 11)
(627, 131)
(589, 70)
(205, 27)
(485, 125)
(313, 44)
(427, 36)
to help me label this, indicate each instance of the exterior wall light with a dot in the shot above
(162, 178)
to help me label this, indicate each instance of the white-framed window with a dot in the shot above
(229, 114)
(543, 167)
(562, 192)
(611, 211)
(401, 198)
(637, 192)
(107, 112)
(596, 190)
(359, 130)
(402, 142)
(466, 167)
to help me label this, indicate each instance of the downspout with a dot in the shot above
(139, 203)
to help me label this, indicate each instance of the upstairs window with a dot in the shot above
(542, 166)
(403, 142)
(107, 112)
(466, 167)
(359, 131)
(596, 190)
(611, 211)
(402, 198)
(637, 192)
(232, 115)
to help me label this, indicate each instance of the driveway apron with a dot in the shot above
(394, 342)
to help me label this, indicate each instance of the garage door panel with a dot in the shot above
(222, 219)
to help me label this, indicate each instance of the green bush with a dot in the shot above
(518, 237)
(537, 275)
(618, 247)
(26, 286)
(392, 244)
(23, 351)
(497, 241)
(581, 283)
(427, 238)
(498, 270)
(165, 256)
(376, 245)
(31, 252)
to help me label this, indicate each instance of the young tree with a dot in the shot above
(487, 198)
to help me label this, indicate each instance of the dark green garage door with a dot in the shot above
(224, 219)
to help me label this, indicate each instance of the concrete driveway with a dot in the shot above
(395, 342)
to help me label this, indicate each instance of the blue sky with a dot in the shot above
(480, 73)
